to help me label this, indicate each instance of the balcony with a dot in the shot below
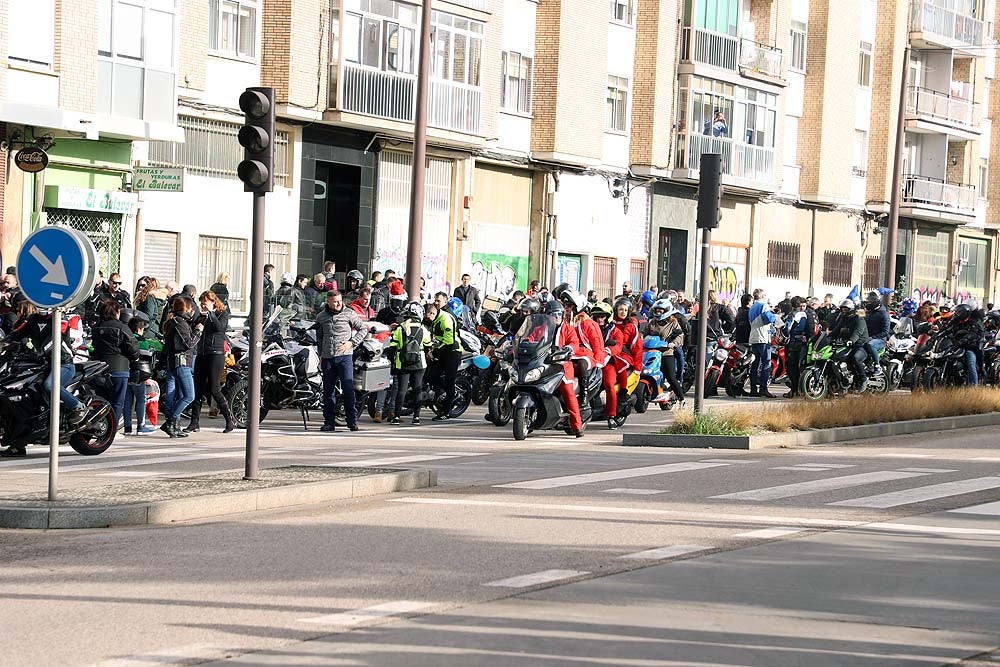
(710, 48)
(760, 61)
(746, 166)
(393, 96)
(935, 112)
(943, 23)
(933, 198)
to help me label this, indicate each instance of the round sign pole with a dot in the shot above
(54, 404)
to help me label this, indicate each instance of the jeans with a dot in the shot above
(66, 373)
(760, 371)
(679, 361)
(338, 368)
(183, 390)
(971, 367)
(116, 395)
(135, 401)
(875, 347)
(167, 397)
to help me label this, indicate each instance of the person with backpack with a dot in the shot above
(410, 341)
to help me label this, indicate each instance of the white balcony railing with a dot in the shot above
(739, 160)
(711, 48)
(393, 96)
(761, 58)
(942, 107)
(922, 190)
(947, 18)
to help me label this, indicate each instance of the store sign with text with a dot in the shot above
(84, 199)
(31, 159)
(158, 179)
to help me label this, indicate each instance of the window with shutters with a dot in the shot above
(837, 268)
(872, 275)
(279, 255)
(159, 255)
(637, 274)
(217, 254)
(605, 269)
(783, 260)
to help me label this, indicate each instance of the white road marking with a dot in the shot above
(806, 468)
(112, 454)
(923, 493)
(666, 552)
(768, 533)
(904, 456)
(355, 617)
(140, 462)
(173, 656)
(642, 511)
(926, 470)
(831, 466)
(628, 473)
(535, 578)
(817, 486)
(993, 459)
(636, 492)
(732, 460)
(932, 530)
(392, 460)
(990, 509)
(140, 473)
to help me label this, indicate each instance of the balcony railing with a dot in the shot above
(922, 190)
(739, 160)
(942, 107)
(393, 96)
(711, 48)
(760, 58)
(946, 18)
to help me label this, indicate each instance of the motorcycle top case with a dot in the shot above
(372, 375)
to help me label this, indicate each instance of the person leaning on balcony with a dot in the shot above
(717, 127)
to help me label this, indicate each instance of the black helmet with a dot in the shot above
(848, 304)
(492, 322)
(558, 290)
(555, 309)
(397, 303)
(873, 297)
(623, 301)
(530, 306)
(356, 275)
(962, 312)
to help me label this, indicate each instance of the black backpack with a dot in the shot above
(412, 352)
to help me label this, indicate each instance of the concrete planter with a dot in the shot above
(817, 437)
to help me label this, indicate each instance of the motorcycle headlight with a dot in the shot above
(817, 356)
(721, 355)
(532, 376)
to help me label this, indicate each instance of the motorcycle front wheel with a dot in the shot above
(239, 396)
(814, 385)
(641, 398)
(500, 408)
(96, 438)
(481, 388)
(522, 422)
(712, 382)
(932, 379)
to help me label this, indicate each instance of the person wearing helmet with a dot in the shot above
(447, 354)
(625, 350)
(592, 355)
(966, 327)
(355, 280)
(762, 323)
(851, 329)
(566, 336)
(879, 326)
(408, 347)
(393, 314)
(907, 324)
(663, 324)
(646, 300)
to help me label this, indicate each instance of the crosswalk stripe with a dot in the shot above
(636, 492)
(769, 533)
(627, 473)
(359, 616)
(535, 578)
(923, 493)
(109, 465)
(989, 509)
(797, 468)
(818, 485)
(399, 459)
(666, 552)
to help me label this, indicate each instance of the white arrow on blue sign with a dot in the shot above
(56, 267)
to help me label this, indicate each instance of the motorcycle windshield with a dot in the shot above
(535, 339)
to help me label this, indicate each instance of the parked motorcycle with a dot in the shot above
(829, 371)
(718, 370)
(738, 365)
(894, 361)
(947, 364)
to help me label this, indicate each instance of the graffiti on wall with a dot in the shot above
(434, 268)
(727, 272)
(939, 296)
(499, 274)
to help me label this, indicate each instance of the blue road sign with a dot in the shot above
(56, 267)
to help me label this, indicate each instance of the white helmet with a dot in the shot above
(661, 310)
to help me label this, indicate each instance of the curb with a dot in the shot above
(40, 516)
(817, 437)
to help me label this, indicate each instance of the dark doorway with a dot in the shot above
(672, 259)
(337, 208)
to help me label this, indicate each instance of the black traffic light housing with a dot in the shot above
(710, 191)
(257, 138)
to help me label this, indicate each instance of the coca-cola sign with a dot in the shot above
(31, 159)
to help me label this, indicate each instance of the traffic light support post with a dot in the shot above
(251, 469)
(709, 207)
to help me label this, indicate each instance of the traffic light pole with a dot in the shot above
(709, 206)
(892, 233)
(415, 238)
(256, 339)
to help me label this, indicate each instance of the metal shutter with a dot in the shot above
(160, 256)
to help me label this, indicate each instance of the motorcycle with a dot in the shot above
(718, 371)
(499, 409)
(779, 367)
(24, 405)
(738, 365)
(947, 367)
(652, 384)
(830, 373)
(894, 361)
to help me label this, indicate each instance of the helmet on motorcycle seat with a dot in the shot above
(963, 311)
(456, 307)
(848, 304)
(530, 306)
(414, 311)
(601, 309)
(647, 298)
(573, 299)
(661, 310)
(555, 309)
(560, 289)
(623, 301)
(397, 303)
(908, 307)
(492, 322)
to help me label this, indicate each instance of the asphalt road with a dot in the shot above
(553, 551)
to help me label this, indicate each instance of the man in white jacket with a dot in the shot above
(762, 323)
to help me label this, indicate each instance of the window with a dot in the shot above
(637, 274)
(871, 279)
(515, 89)
(217, 254)
(159, 255)
(783, 260)
(605, 276)
(798, 62)
(718, 16)
(381, 35)
(865, 65)
(136, 55)
(210, 148)
(748, 115)
(621, 11)
(860, 167)
(31, 31)
(837, 268)
(232, 27)
(616, 115)
(931, 260)
(456, 48)
(279, 255)
(984, 173)
(974, 257)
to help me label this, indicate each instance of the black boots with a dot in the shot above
(227, 412)
(173, 429)
(195, 424)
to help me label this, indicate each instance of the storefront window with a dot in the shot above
(974, 257)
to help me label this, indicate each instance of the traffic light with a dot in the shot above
(710, 191)
(257, 138)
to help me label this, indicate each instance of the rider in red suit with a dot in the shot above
(567, 337)
(625, 349)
